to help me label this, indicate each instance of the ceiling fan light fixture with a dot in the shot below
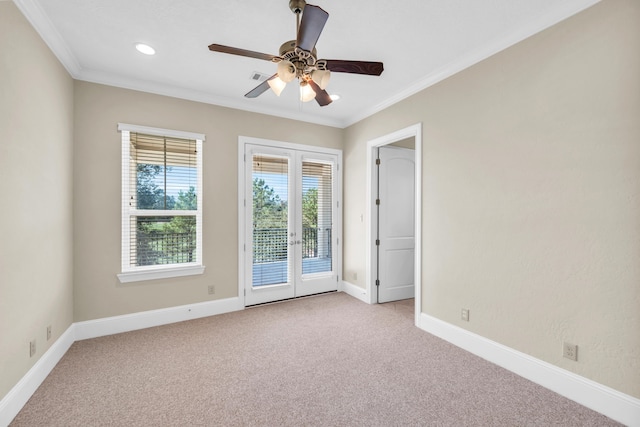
(321, 77)
(306, 92)
(277, 85)
(286, 71)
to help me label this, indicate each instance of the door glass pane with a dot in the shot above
(270, 220)
(317, 224)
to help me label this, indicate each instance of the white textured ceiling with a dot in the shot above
(420, 42)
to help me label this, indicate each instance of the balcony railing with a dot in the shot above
(270, 251)
(157, 248)
(271, 244)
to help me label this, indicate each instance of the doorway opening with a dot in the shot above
(396, 261)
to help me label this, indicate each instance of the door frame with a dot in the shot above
(243, 141)
(414, 131)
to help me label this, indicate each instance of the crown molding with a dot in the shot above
(564, 10)
(40, 21)
(109, 79)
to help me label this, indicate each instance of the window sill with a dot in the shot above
(160, 273)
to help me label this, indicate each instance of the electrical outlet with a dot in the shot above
(570, 351)
(48, 332)
(32, 348)
(212, 289)
(465, 314)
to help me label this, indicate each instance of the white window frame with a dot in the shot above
(134, 273)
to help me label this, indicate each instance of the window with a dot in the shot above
(161, 203)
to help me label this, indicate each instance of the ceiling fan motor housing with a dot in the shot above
(304, 62)
(297, 6)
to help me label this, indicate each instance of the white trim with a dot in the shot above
(161, 132)
(147, 319)
(612, 403)
(564, 10)
(162, 272)
(39, 20)
(14, 401)
(607, 401)
(414, 131)
(174, 91)
(354, 291)
(132, 273)
(18, 396)
(241, 219)
(244, 140)
(125, 218)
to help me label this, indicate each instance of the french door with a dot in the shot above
(291, 222)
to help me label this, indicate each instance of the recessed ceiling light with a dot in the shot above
(334, 97)
(145, 48)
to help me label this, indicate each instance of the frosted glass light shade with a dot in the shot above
(277, 85)
(321, 77)
(306, 92)
(286, 71)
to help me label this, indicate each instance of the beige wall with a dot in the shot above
(531, 194)
(98, 109)
(36, 119)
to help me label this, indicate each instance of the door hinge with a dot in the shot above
(377, 282)
(378, 162)
(377, 242)
(378, 202)
(245, 292)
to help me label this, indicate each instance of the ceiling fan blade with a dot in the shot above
(311, 25)
(240, 52)
(322, 97)
(260, 89)
(355, 67)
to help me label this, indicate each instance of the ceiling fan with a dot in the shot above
(298, 59)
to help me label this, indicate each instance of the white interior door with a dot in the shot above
(291, 211)
(396, 214)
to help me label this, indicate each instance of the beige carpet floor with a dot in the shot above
(329, 360)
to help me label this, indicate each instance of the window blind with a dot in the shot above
(270, 220)
(162, 214)
(317, 219)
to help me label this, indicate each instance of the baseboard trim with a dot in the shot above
(354, 291)
(147, 319)
(612, 403)
(18, 396)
